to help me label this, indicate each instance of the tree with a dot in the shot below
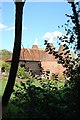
(4, 54)
(16, 53)
(75, 19)
(77, 32)
(67, 62)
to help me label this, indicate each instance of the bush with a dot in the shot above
(47, 101)
(21, 73)
(5, 65)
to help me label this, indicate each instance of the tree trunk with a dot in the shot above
(16, 55)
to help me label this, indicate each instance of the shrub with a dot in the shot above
(5, 65)
(21, 73)
(46, 101)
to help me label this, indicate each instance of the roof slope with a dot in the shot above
(34, 55)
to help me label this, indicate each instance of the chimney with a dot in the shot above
(61, 47)
(35, 45)
(50, 42)
(64, 50)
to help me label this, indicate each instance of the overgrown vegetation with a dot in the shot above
(47, 100)
(5, 66)
(22, 73)
(72, 38)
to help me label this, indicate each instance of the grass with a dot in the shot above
(2, 86)
(3, 83)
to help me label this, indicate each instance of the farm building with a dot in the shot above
(39, 62)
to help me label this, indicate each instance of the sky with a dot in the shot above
(40, 21)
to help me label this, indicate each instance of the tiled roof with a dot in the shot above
(35, 55)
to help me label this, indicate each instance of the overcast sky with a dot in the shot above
(40, 20)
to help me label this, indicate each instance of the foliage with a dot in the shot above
(72, 27)
(22, 74)
(5, 65)
(72, 37)
(4, 54)
(47, 101)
